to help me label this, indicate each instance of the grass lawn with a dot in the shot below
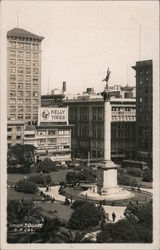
(56, 176)
(64, 212)
(14, 195)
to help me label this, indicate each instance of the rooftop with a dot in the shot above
(22, 33)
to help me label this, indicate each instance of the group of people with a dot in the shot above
(113, 216)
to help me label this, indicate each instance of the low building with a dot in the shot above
(53, 134)
(86, 112)
(15, 132)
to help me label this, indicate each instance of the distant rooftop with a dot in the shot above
(22, 33)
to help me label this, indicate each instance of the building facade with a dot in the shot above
(87, 114)
(15, 133)
(23, 75)
(53, 135)
(144, 82)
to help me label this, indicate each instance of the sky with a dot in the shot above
(84, 38)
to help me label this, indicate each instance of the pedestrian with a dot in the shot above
(107, 216)
(113, 216)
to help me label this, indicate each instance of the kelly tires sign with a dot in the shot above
(53, 115)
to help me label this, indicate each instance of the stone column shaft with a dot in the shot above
(107, 131)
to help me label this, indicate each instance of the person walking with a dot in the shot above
(113, 216)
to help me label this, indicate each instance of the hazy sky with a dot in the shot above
(83, 38)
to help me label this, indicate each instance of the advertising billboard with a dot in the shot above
(53, 115)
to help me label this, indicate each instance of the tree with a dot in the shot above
(125, 179)
(86, 175)
(136, 228)
(26, 186)
(147, 175)
(21, 154)
(46, 166)
(85, 215)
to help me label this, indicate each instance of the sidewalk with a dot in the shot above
(119, 211)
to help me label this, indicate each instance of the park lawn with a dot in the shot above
(55, 176)
(14, 195)
(59, 210)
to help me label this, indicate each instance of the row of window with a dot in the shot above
(21, 78)
(20, 70)
(21, 108)
(21, 93)
(9, 129)
(19, 45)
(21, 54)
(20, 117)
(144, 99)
(53, 132)
(26, 85)
(127, 118)
(22, 62)
(21, 101)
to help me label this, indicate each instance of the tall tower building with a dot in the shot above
(24, 75)
(144, 80)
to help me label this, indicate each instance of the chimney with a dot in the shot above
(64, 86)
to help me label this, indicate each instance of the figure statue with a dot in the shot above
(107, 78)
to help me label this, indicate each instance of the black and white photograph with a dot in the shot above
(79, 124)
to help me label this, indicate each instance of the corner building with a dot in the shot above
(144, 106)
(23, 75)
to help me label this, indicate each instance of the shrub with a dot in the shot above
(134, 172)
(39, 179)
(124, 179)
(147, 175)
(46, 166)
(86, 215)
(77, 203)
(26, 186)
(86, 175)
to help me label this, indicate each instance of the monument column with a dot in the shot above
(107, 170)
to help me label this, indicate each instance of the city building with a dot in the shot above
(15, 133)
(53, 134)
(23, 75)
(144, 82)
(86, 112)
(30, 135)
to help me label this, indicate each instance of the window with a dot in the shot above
(35, 93)
(35, 71)
(12, 78)
(20, 93)
(28, 55)
(20, 54)
(12, 85)
(28, 109)
(146, 90)
(13, 117)
(28, 101)
(20, 117)
(13, 70)
(35, 63)
(20, 85)
(20, 101)
(27, 78)
(20, 78)
(146, 71)
(28, 85)
(12, 61)
(12, 109)
(12, 53)
(27, 46)
(9, 129)
(35, 101)
(140, 99)
(20, 70)
(12, 101)
(28, 70)
(18, 137)
(35, 78)
(28, 93)
(28, 117)
(20, 62)
(12, 93)
(35, 108)
(28, 63)
(13, 44)
(146, 118)
(20, 109)
(20, 45)
(35, 86)
(35, 55)
(146, 99)
(35, 117)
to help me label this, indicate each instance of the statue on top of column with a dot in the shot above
(107, 78)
